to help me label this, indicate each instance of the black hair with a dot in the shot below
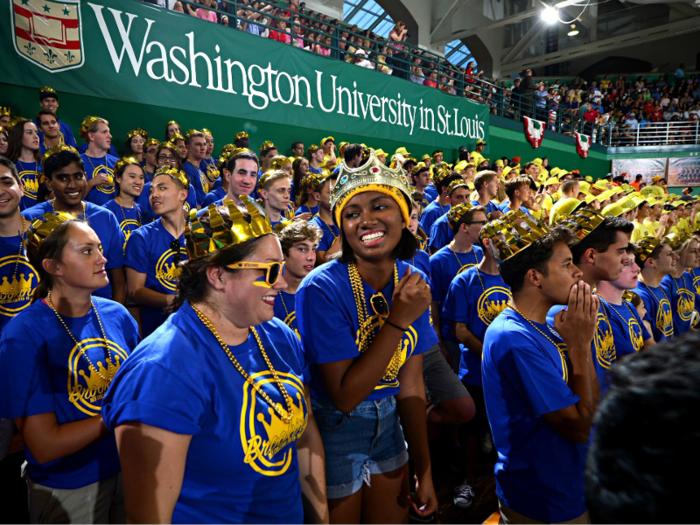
(646, 436)
(444, 183)
(295, 143)
(653, 255)
(60, 160)
(248, 155)
(414, 174)
(265, 151)
(467, 217)
(536, 256)
(602, 237)
(352, 151)
(10, 166)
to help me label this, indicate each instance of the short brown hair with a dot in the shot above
(515, 184)
(483, 178)
(298, 231)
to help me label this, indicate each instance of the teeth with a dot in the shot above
(372, 237)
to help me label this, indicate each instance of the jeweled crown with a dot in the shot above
(41, 228)
(371, 176)
(243, 228)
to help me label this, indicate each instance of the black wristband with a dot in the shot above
(395, 325)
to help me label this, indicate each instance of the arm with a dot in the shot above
(468, 339)
(117, 279)
(577, 325)
(48, 441)
(142, 295)
(100, 178)
(411, 401)
(312, 470)
(349, 382)
(153, 467)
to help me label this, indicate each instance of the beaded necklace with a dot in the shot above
(512, 306)
(138, 213)
(284, 305)
(82, 203)
(366, 328)
(287, 415)
(330, 229)
(652, 292)
(476, 258)
(109, 364)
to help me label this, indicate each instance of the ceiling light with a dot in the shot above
(573, 31)
(550, 15)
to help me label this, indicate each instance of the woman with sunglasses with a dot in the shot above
(212, 414)
(371, 296)
(155, 251)
(57, 359)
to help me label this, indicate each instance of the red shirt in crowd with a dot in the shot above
(591, 115)
(430, 83)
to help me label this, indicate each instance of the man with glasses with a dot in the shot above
(155, 251)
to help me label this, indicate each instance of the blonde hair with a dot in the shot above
(92, 128)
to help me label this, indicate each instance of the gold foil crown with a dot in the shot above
(87, 122)
(42, 227)
(47, 89)
(126, 161)
(189, 134)
(582, 222)
(676, 239)
(138, 131)
(5, 112)
(241, 135)
(457, 183)
(150, 142)
(457, 212)
(371, 176)
(266, 144)
(646, 246)
(206, 131)
(243, 228)
(57, 149)
(513, 233)
(175, 174)
(277, 162)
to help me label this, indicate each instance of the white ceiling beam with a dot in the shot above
(528, 38)
(484, 28)
(456, 4)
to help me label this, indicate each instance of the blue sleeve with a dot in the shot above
(195, 181)
(645, 333)
(136, 252)
(427, 338)
(437, 278)
(438, 239)
(114, 251)
(456, 303)
(25, 385)
(325, 242)
(525, 364)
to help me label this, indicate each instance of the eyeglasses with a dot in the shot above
(379, 305)
(273, 269)
(168, 158)
(476, 222)
(175, 247)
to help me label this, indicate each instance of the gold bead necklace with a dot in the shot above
(110, 368)
(365, 334)
(535, 327)
(286, 415)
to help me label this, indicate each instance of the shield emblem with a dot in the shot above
(48, 33)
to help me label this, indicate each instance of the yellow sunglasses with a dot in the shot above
(273, 269)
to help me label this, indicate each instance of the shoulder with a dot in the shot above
(29, 322)
(111, 159)
(325, 276)
(36, 210)
(439, 255)
(113, 308)
(93, 210)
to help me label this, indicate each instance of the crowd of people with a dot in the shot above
(274, 335)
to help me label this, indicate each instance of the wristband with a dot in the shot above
(395, 325)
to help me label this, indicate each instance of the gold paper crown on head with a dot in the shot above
(5, 112)
(419, 167)
(151, 142)
(513, 233)
(241, 135)
(190, 133)
(171, 123)
(582, 222)
(440, 171)
(371, 176)
(175, 174)
(457, 212)
(47, 89)
(676, 239)
(42, 227)
(57, 149)
(174, 137)
(87, 122)
(266, 144)
(228, 148)
(313, 148)
(126, 161)
(457, 183)
(138, 131)
(645, 246)
(277, 162)
(206, 131)
(244, 228)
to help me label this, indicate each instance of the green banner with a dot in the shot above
(126, 50)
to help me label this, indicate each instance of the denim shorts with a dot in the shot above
(367, 441)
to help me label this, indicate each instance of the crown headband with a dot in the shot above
(266, 144)
(206, 131)
(457, 183)
(515, 232)
(190, 133)
(243, 229)
(371, 176)
(174, 174)
(5, 112)
(57, 149)
(126, 161)
(456, 213)
(241, 135)
(42, 227)
(151, 142)
(646, 246)
(277, 162)
(138, 131)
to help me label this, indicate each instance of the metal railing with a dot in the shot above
(340, 42)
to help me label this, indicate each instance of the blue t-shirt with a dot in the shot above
(505, 208)
(18, 278)
(441, 233)
(211, 171)
(112, 150)
(106, 226)
(330, 232)
(445, 265)
(431, 213)
(421, 260)
(42, 370)
(659, 312)
(149, 251)
(213, 196)
(30, 175)
(682, 297)
(148, 213)
(490, 207)
(326, 294)
(197, 175)
(66, 134)
(129, 219)
(242, 462)
(539, 473)
(475, 298)
(430, 193)
(306, 209)
(317, 171)
(694, 277)
(102, 193)
(629, 332)
(285, 310)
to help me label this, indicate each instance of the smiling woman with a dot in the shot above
(368, 351)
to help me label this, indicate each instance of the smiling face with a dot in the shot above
(11, 192)
(81, 264)
(50, 103)
(165, 195)
(689, 257)
(4, 143)
(244, 177)
(181, 148)
(68, 185)
(413, 223)
(49, 126)
(131, 181)
(665, 263)
(372, 225)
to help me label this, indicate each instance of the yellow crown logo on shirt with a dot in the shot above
(493, 308)
(170, 272)
(605, 348)
(664, 317)
(96, 386)
(42, 227)
(244, 228)
(686, 305)
(31, 186)
(279, 433)
(16, 290)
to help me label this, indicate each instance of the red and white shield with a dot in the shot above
(48, 33)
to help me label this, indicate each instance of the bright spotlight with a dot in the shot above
(550, 15)
(573, 31)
